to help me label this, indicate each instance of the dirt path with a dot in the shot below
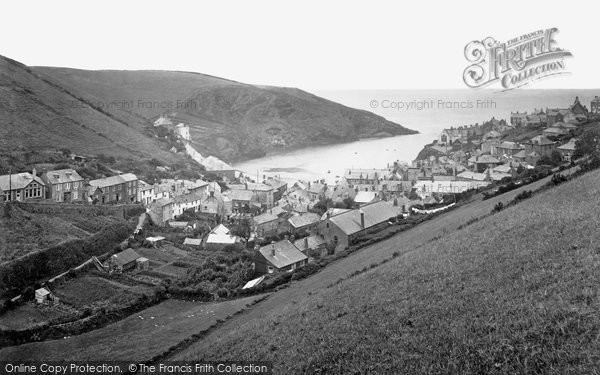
(402, 243)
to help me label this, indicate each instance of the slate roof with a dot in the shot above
(375, 213)
(62, 176)
(113, 180)
(285, 254)
(18, 181)
(192, 241)
(264, 218)
(125, 256)
(313, 242)
(302, 220)
(241, 195)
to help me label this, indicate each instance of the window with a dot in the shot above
(67, 186)
(270, 269)
(75, 195)
(58, 187)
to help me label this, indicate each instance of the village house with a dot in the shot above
(279, 187)
(185, 202)
(266, 224)
(160, 211)
(341, 230)
(145, 193)
(264, 193)
(280, 256)
(213, 204)
(243, 201)
(301, 224)
(64, 185)
(541, 145)
(567, 150)
(123, 261)
(518, 118)
(554, 131)
(316, 191)
(365, 176)
(22, 187)
(365, 197)
(116, 189)
(595, 105)
(311, 244)
(507, 149)
(219, 238)
(484, 162)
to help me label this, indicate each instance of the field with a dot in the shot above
(139, 337)
(28, 315)
(88, 291)
(26, 232)
(516, 292)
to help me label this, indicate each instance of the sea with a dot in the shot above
(427, 111)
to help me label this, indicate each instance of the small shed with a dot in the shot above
(142, 263)
(155, 241)
(122, 261)
(42, 295)
(193, 242)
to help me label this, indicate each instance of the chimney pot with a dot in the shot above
(362, 218)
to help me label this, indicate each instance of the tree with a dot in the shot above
(588, 143)
(243, 228)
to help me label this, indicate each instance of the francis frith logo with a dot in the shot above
(514, 63)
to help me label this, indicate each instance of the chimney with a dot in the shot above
(306, 242)
(362, 218)
(34, 172)
(212, 193)
(272, 250)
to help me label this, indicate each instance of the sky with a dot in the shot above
(313, 45)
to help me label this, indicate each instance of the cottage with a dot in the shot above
(145, 193)
(266, 224)
(302, 223)
(43, 295)
(554, 131)
(342, 229)
(64, 185)
(279, 187)
(484, 162)
(568, 149)
(280, 256)
(192, 242)
(22, 187)
(264, 194)
(213, 204)
(242, 201)
(316, 191)
(365, 197)
(155, 241)
(125, 260)
(219, 238)
(312, 244)
(116, 189)
(541, 145)
(161, 211)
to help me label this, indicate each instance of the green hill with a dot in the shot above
(516, 292)
(228, 119)
(37, 113)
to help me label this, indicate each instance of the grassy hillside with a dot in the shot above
(515, 292)
(24, 232)
(152, 332)
(37, 113)
(228, 119)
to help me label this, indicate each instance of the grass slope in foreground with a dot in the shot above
(140, 337)
(516, 292)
